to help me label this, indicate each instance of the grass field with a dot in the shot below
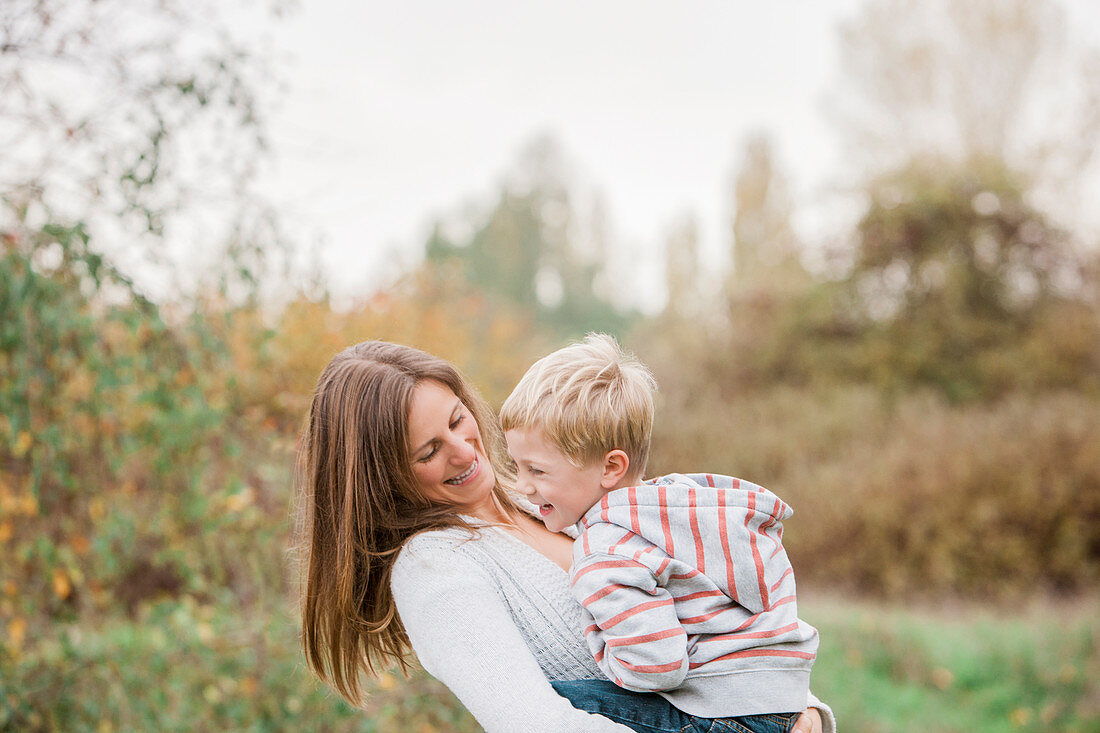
(958, 667)
(182, 666)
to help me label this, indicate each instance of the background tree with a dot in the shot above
(682, 269)
(957, 271)
(125, 422)
(138, 120)
(532, 251)
(763, 241)
(991, 78)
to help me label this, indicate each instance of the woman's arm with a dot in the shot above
(464, 636)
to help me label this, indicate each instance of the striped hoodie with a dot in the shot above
(692, 595)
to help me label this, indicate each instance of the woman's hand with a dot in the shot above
(808, 722)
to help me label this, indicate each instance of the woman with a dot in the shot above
(415, 544)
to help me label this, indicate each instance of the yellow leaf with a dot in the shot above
(29, 505)
(17, 629)
(5, 531)
(61, 585)
(22, 444)
(97, 509)
(10, 587)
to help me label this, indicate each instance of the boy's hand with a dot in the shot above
(808, 722)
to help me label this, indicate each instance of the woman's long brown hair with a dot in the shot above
(359, 503)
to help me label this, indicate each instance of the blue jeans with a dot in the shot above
(648, 712)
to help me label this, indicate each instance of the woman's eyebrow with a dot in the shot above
(429, 441)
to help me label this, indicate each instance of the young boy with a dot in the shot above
(685, 576)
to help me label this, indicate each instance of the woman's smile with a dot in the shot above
(445, 449)
(465, 476)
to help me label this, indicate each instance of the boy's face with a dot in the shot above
(562, 492)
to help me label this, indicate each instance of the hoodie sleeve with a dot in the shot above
(635, 636)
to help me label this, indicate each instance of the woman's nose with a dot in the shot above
(463, 453)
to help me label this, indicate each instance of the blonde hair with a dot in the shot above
(360, 502)
(587, 398)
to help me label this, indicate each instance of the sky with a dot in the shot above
(394, 114)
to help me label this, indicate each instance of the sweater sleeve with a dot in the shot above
(464, 636)
(828, 720)
(636, 637)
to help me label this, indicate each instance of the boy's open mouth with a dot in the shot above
(545, 509)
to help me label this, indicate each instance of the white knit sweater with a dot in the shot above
(494, 620)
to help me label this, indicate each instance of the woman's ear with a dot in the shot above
(616, 468)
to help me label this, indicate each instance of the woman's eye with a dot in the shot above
(459, 419)
(535, 472)
(428, 457)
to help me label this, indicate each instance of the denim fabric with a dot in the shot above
(648, 712)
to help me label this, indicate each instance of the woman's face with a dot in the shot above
(445, 449)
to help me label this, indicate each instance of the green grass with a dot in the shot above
(958, 667)
(186, 666)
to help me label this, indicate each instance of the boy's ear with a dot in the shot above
(616, 467)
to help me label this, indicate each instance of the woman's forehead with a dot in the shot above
(431, 403)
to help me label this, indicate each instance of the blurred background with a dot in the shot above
(858, 241)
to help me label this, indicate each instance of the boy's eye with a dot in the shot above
(458, 419)
(535, 471)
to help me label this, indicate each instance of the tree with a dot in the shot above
(963, 284)
(682, 268)
(764, 243)
(531, 251)
(135, 119)
(974, 80)
(122, 419)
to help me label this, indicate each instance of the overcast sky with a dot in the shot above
(399, 112)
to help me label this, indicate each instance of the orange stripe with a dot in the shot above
(664, 564)
(646, 638)
(604, 564)
(731, 580)
(753, 634)
(652, 668)
(622, 541)
(691, 573)
(662, 501)
(788, 571)
(761, 583)
(700, 594)
(606, 590)
(704, 617)
(700, 560)
(640, 608)
(632, 493)
(755, 653)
